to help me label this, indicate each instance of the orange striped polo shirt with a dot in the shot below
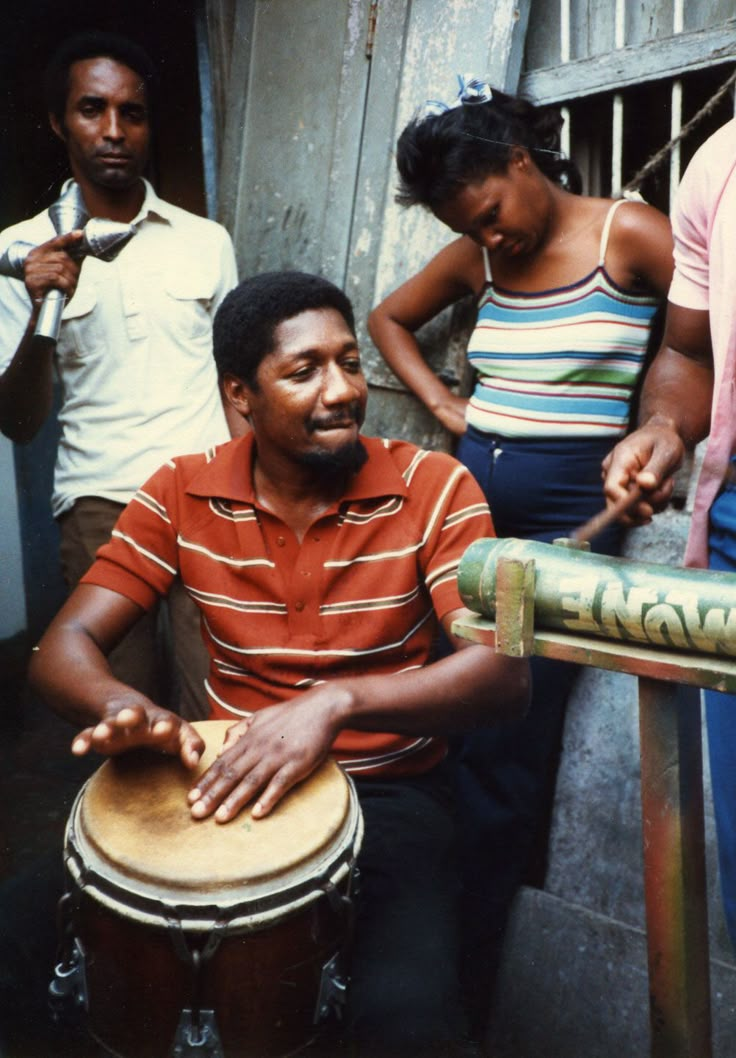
(361, 594)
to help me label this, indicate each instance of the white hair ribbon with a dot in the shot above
(471, 90)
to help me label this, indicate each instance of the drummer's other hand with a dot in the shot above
(267, 754)
(139, 725)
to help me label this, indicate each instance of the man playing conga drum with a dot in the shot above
(322, 562)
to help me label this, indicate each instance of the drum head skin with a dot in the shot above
(135, 816)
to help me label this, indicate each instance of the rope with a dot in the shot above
(656, 160)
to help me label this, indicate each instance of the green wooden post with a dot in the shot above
(674, 869)
(515, 618)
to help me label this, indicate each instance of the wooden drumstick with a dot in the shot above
(600, 521)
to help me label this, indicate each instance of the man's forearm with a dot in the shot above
(677, 393)
(26, 387)
(472, 687)
(82, 687)
(69, 666)
(280, 745)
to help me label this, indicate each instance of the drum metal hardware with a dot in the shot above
(332, 991)
(203, 952)
(339, 903)
(68, 988)
(197, 1036)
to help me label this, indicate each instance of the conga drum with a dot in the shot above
(196, 938)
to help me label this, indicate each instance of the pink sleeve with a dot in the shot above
(690, 227)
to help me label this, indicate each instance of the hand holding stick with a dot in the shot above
(603, 519)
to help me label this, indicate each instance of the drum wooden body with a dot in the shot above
(192, 932)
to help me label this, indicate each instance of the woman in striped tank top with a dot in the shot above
(566, 287)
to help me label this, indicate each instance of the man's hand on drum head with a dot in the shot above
(136, 725)
(267, 754)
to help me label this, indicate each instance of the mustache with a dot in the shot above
(345, 417)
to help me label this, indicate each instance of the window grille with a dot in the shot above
(629, 78)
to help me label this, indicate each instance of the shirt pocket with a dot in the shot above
(82, 333)
(190, 295)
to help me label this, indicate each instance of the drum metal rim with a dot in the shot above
(261, 906)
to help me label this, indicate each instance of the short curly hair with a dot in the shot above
(92, 45)
(245, 323)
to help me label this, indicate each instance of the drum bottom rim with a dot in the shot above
(119, 1054)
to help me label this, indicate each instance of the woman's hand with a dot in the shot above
(649, 458)
(450, 412)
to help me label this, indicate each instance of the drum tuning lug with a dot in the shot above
(68, 988)
(332, 991)
(197, 1038)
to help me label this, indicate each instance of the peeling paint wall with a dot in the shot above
(311, 106)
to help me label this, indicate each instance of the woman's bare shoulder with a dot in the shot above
(462, 262)
(640, 245)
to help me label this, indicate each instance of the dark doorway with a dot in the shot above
(33, 166)
(33, 163)
(40, 775)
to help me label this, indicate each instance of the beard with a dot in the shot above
(328, 462)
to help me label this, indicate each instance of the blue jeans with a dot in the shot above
(537, 489)
(720, 715)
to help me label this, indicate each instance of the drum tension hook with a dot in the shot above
(196, 1035)
(68, 988)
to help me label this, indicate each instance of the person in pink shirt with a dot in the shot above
(690, 394)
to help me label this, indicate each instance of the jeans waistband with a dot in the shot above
(600, 446)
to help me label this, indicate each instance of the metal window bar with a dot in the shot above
(565, 141)
(678, 24)
(619, 117)
(617, 146)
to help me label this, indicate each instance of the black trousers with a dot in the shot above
(404, 996)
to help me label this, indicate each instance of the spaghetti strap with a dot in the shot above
(606, 230)
(486, 265)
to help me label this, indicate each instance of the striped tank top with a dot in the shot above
(562, 362)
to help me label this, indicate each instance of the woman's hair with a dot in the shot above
(439, 154)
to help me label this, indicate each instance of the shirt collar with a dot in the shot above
(229, 474)
(152, 205)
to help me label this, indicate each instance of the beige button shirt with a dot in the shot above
(134, 358)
